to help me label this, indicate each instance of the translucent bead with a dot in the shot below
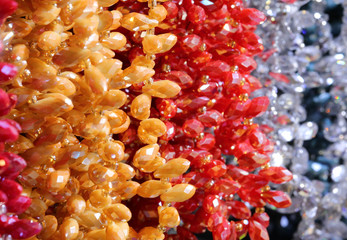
(49, 227)
(145, 155)
(100, 198)
(159, 13)
(109, 68)
(105, 21)
(162, 89)
(76, 204)
(107, 3)
(138, 22)
(52, 104)
(96, 80)
(178, 193)
(45, 14)
(37, 208)
(116, 16)
(169, 217)
(150, 233)
(49, 40)
(101, 175)
(125, 172)
(41, 70)
(128, 189)
(141, 106)
(99, 234)
(114, 232)
(115, 41)
(95, 125)
(153, 165)
(111, 151)
(153, 188)
(118, 120)
(118, 212)
(69, 229)
(70, 56)
(137, 74)
(154, 44)
(150, 129)
(173, 168)
(91, 219)
(57, 180)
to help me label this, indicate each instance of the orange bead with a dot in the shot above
(101, 175)
(69, 229)
(150, 233)
(57, 180)
(76, 204)
(138, 22)
(118, 212)
(173, 168)
(162, 89)
(153, 188)
(178, 193)
(145, 154)
(154, 44)
(141, 106)
(169, 217)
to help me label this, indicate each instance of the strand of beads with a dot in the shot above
(13, 201)
(74, 95)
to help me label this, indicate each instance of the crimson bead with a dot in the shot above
(7, 70)
(8, 132)
(7, 8)
(193, 128)
(196, 14)
(16, 164)
(7, 102)
(253, 160)
(170, 131)
(216, 68)
(11, 188)
(277, 198)
(252, 196)
(257, 138)
(207, 142)
(237, 108)
(225, 187)
(222, 231)
(3, 197)
(276, 175)
(258, 106)
(191, 43)
(171, 9)
(18, 205)
(253, 181)
(181, 78)
(166, 107)
(245, 63)
(257, 231)
(24, 228)
(185, 234)
(211, 118)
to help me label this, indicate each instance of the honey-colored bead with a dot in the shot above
(173, 168)
(41, 70)
(70, 56)
(96, 80)
(22, 27)
(158, 12)
(116, 17)
(138, 22)
(69, 229)
(101, 175)
(21, 145)
(49, 40)
(141, 106)
(150, 233)
(49, 227)
(37, 208)
(84, 27)
(118, 120)
(154, 44)
(105, 21)
(85, 182)
(128, 189)
(114, 41)
(153, 188)
(154, 126)
(169, 217)
(91, 219)
(114, 99)
(153, 165)
(95, 125)
(57, 180)
(110, 67)
(143, 61)
(136, 74)
(107, 3)
(54, 104)
(45, 14)
(99, 198)
(55, 130)
(162, 89)
(145, 154)
(99, 234)
(178, 193)
(19, 52)
(74, 117)
(114, 232)
(76, 204)
(125, 172)
(118, 212)
(111, 151)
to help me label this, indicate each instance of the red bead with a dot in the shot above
(211, 118)
(222, 231)
(7, 102)
(237, 108)
(245, 63)
(192, 128)
(4, 163)
(257, 231)
(24, 228)
(7, 70)
(196, 14)
(214, 220)
(181, 78)
(11, 188)
(236, 172)
(252, 181)
(191, 43)
(262, 218)
(184, 233)
(16, 164)
(224, 187)
(8, 133)
(166, 107)
(3, 197)
(197, 179)
(191, 102)
(7, 8)
(258, 106)
(171, 9)
(235, 85)
(257, 138)
(276, 174)
(211, 204)
(18, 205)
(207, 142)
(238, 210)
(252, 196)
(209, 89)
(170, 131)
(216, 68)
(277, 198)
(199, 58)
(253, 160)
(215, 169)
(251, 16)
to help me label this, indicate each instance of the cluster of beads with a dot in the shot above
(114, 113)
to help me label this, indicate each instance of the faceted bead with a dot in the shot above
(207, 142)
(253, 160)
(162, 89)
(117, 212)
(193, 128)
(45, 14)
(11, 188)
(257, 138)
(191, 102)
(100, 174)
(51, 104)
(252, 196)
(109, 68)
(57, 180)
(49, 40)
(191, 43)
(99, 198)
(125, 171)
(49, 226)
(136, 74)
(253, 181)
(114, 41)
(18, 205)
(8, 132)
(211, 118)
(237, 108)
(8, 102)
(262, 218)
(114, 232)
(215, 168)
(150, 233)
(216, 68)
(276, 175)
(76, 204)
(278, 199)
(173, 168)
(138, 22)
(258, 106)
(128, 189)
(99, 234)
(224, 187)
(154, 44)
(158, 12)
(238, 210)
(169, 217)
(70, 56)
(170, 132)
(111, 151)
(150, 129)
(95, 125)
(7, 72)
(171, 9)
(87, 219)
(222, 231)
(245, 63)
(37, 208)
(251, 16)
(153, 188)
(96, 80)
(181, 78)
(257, 231)
(7, 9)
(178, 193)
(196, 14)
(166, 107)
(69, 229)
(23, 229)
(141, 106)
(211, 204)
(145, 155)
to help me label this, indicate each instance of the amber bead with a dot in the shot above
(113, 99)
(153, 188)
(173, 168)
(158, 12)
(154, 44)
(99, 234)
(125, 172)
(118, 212)
(57, 180)
(114, 232)
(101, 175)
(150, 129)
(49, 226)
(150, 233)
(145, 155)
(128, 189)
(95, 125)
(169, 217)
(141, 106)
(111, 151)
(49, 40)
(138, 22)
(45, 14)
(76, 204)
(136, 74)
(69, 229)
(178, 193)
(162, 89)
(82, 163)
(100, 198)
(90, 219)
(37, 208)
(115, 41)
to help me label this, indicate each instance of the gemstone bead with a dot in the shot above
(178, 193)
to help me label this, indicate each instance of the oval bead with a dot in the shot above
(173, 168)
(118, 212)
(178, 193)
(162, 89)
(153, 188)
